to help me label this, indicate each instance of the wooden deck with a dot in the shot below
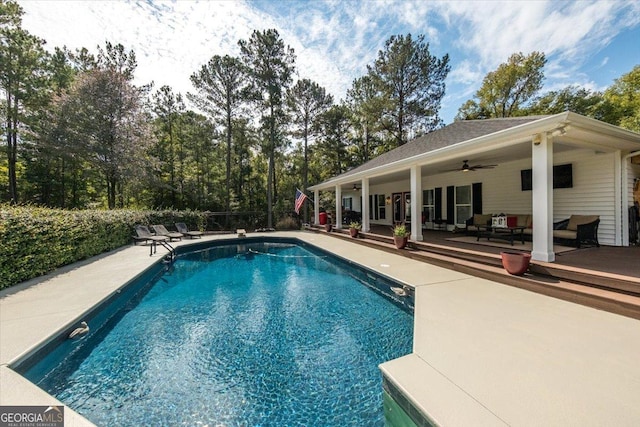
(607, 277)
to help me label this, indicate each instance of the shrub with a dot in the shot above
(400, 230)
(35, 241)
(288, 223)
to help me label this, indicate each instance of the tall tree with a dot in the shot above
(22, 80)
(366, 105)
(623, 101)
(411, 81)
(571, 98)
(110, 125)
(221, 93)
(307, 100)
(168, 107)
(507, 89)
(55, 174)
(245, 141)
(270, 65)
(332, 148)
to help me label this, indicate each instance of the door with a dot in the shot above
(401, 208)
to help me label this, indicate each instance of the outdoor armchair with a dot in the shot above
(579, 228)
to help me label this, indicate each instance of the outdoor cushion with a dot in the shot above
(576, 220)
(565, 234)
(524, 220)
(479, 219)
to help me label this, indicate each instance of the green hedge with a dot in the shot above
(35, 241)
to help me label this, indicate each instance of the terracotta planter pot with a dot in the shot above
(328, 227)
(353, 232)
(515, 263)
(400, 242)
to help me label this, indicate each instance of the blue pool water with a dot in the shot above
(263, 334)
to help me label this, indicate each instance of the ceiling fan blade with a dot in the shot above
(482, 167)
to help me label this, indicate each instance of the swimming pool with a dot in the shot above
(264, 333)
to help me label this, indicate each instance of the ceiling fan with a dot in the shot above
(466, 168)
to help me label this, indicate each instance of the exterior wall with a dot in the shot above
(593, 191)
(387, 189)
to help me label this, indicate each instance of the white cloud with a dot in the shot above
(335, 40)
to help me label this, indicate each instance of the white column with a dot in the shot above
(338, 217)
(542, 171)
(416, 203)
(624, 195)
(620, 209)
(365, 205)
(316, 207)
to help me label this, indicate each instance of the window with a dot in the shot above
(428, 205)
(347, 203)
(381, 206)
(463, 204)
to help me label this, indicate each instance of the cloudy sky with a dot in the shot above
(588, 43)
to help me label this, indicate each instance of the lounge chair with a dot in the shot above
(144, 235)
(182, 228)
(161, 230)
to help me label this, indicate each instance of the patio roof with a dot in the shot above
(468, 137)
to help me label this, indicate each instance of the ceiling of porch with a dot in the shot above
(487, 157)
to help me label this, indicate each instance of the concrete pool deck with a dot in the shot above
(484, 353)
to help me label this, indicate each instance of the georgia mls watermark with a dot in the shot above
(31, 416)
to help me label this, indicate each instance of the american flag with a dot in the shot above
(300, 196)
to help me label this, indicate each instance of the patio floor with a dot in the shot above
(607, 259)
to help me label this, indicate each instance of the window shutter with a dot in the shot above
(476, 197)
(372, 208)
(437, 203)
(451, 205)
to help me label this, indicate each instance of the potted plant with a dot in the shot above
(400, 236)
(515, 263)
(354, 228)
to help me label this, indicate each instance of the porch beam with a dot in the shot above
(316, 207)
(416, 203)
(542, 170)
(625, 192)
(365, 205)
(338, 206)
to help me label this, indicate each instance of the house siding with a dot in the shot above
(592, 192)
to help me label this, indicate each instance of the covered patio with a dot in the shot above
(547, 167)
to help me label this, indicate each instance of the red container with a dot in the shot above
(515, 263)
(322, 218)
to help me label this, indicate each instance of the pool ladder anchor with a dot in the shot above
(170, 257)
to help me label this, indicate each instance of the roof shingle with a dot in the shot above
(452, 134)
